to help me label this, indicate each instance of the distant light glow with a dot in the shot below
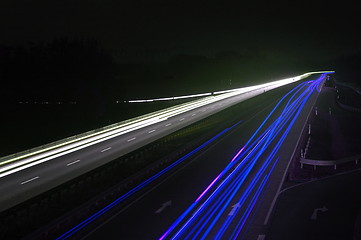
(245, 89)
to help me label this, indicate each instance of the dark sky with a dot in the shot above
(135, 30)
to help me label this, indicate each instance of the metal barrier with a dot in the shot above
(349, 108)
(333, 163)
(349, 85)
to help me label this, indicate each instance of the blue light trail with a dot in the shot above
(96, 215)
(207, 216)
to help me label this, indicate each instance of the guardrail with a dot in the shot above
(349, 85)
(329, 163)
(345, 106)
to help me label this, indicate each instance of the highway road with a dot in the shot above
(226, 192)
(334, 135)
(22, 179)
(22, 185)
(329, 211)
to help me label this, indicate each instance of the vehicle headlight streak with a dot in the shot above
(207, 216)
(279, 83)
(19, 163)
(15, 165)
(22, 162)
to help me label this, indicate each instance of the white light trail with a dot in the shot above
(30, 159)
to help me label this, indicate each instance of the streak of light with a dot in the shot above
(27, 160)
(84, 223)
(218, 196)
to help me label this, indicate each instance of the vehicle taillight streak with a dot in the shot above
(238, 185)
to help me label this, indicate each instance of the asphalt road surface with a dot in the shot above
(25, 184)
(226, 192)
(324, 209)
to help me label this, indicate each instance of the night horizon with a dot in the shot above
(180, 120)
(278, 29)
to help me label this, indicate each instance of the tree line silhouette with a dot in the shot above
(82, 70)
(64, 69)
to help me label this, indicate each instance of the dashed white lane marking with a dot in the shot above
(151, 131)
(203, 110)
(181, 119)
(71, 163)
(168, 124)
(261, 237)
(129, 140)
(193, 114)
(31, 179)
(106, 149)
